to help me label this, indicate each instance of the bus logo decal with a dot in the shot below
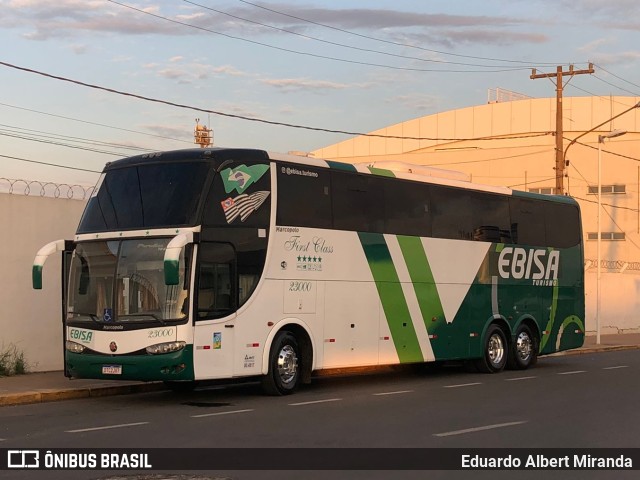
(243, 205)
(240, 178)
(217, 341)
(538, 265)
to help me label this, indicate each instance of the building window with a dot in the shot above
(607, 189)
(543, 190)
(607, 236)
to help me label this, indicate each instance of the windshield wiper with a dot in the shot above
(146, 314)
(92, 316)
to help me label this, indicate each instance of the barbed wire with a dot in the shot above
(612, 264)
(45, 189)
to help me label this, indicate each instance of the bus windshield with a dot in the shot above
(122, 281)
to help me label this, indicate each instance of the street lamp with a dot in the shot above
(564, 156)
(601, 139)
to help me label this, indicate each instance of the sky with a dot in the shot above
(348, 65)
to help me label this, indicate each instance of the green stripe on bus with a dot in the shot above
(392, 297)
(423, 282)
(382, 172)
(342, 166)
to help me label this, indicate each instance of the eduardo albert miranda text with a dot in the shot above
(545, 462)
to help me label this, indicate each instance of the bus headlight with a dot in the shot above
(74, 347)
(167, 347)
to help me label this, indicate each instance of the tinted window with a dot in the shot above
(304, 196)
(563, 225)
(240, 196)
(407, 208)
(147, 196)
(216, 280)
(528, 222)
(358, 202)
(469, 215)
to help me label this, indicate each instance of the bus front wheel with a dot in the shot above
(494, 351)
(284, 366)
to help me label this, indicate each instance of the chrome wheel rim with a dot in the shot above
(287, 365)
(495, 349)
(524, 346)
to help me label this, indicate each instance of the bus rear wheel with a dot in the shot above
(524, 351)
(283, 376)
(494, 351)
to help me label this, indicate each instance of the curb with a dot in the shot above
(54, 395)
(595, 349)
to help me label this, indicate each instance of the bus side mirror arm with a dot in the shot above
(41, 257)
(172, 257)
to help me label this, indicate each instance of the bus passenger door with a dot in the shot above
(214, 310)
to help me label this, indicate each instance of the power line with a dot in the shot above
(49, 164)
(338, 44)
(529, 183)
(252, 119)
(616, 86)
(398, 44)
(51, 142)
(493, 158)
(94, 123)
(606, 151)
(36, 135)
(618, 77)
(308, 54)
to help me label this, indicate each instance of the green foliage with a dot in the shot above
(12, 361)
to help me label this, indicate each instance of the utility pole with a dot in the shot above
(559, 130)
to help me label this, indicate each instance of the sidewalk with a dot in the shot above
(53, 386)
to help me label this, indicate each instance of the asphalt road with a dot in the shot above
(585, 401)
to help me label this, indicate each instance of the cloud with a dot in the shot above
(66, 18)
(310, 85)
(417, 101)
(181, 132)
(79, 49)
(619, 58)
(190, 72)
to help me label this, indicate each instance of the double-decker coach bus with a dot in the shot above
(225, 263)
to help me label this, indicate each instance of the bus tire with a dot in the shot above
(285, 370)
(524, 349)
(494, 351)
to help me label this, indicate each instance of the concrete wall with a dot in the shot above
(31, 319)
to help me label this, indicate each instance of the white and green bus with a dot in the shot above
(226, 263)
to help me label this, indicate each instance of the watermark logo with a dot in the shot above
(23, 459)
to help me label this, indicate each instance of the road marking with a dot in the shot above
(478, 429)
(107, 427)
(572, 373)
(3, 439)
(462, 385)
(315, 401)
(519, 378)
(221, 413)
(618, 366)
(393, 393)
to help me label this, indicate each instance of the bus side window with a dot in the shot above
(216, 280)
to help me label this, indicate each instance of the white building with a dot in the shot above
(513, 144)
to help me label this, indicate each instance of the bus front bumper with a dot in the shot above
(166, 367)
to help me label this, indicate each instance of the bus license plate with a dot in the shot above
(112, 369)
